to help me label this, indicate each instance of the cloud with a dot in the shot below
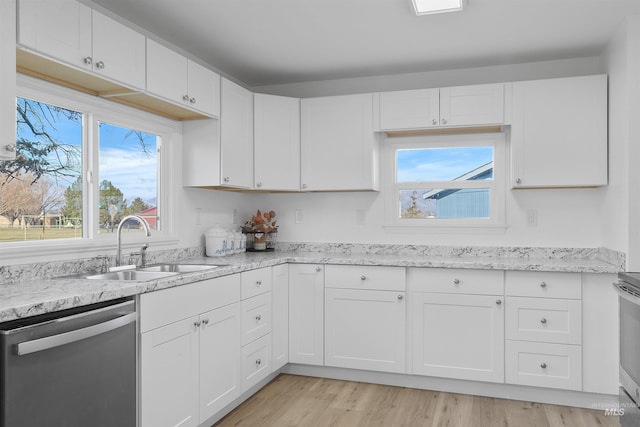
(132, 171)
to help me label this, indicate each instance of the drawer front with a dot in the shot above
(544, 320)
(256, 362)
(544, 284)
(256, 317)
(457, 281)
(365, 277)
(543, 365)
(166, 306)
(255, 282)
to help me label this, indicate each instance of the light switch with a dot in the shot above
(299, 216)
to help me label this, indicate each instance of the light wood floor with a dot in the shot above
(292, 400)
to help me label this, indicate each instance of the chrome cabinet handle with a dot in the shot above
(363, 277)
(205, 321)
(498, 301)
(259, 282)
(258, 362)
(543, 284)
(185, 98)
(10, 148)
(192, 101)
(543, 321)
(400, 297)
(197, 324)
(518, 181)
(434, 122)
(258, 318)
(456, 281)
(543, 365)
(443, 121)
(304, 186)
(258, 184)
(87, 60)
(100, 65)
(318, 269)
(225, 179)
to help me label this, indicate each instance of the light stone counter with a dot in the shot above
(27, 290)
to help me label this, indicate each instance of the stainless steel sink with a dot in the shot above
(177, 268)
(131, 275)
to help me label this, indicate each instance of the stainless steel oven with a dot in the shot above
(628, 288)
(73, 368)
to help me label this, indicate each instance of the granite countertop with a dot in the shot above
(22, 298)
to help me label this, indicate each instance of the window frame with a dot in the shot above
(496, 221)
(94, 110)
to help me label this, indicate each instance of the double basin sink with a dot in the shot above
(151, 272)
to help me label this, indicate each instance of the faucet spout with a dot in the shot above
(138, 218)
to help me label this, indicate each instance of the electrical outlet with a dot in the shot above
(532, 218)
(299, 216)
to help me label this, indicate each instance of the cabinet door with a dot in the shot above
(220, 359)
(119, 52)
(338, 146)
(256, 362)
(7, 80)
(277, 142)
(559, 132)
(236, 137)
(201, 153)
(365, 329)
(280, 316)
(59, 29)
(169, 375)
(203, 89)
(306, 314)
(472, 105)
(256, 317)
(458, 336)
(166, 72)
(409, 109)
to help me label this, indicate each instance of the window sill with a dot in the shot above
(447, 229)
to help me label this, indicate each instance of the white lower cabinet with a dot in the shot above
(458, 323)
(256, 361)
(365, 329)
(190, 357)
(306, 314)
(458, 336)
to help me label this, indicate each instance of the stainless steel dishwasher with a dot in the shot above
(73, 368)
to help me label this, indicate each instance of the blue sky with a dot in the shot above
(440, 164)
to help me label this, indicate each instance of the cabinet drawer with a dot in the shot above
(457, 281)
(256, 362)
(365, 277)
(543, 365)
(255, 282)
(170, 305)
(256, 317)
(544, 284)
(544, 320)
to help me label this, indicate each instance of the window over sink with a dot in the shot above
(436, 182)
(83, 163)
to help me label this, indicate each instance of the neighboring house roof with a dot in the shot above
(479, 173)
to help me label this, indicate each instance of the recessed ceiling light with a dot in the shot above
(427, 7)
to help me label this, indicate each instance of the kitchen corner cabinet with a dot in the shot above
(75, 34)
(306, 314)
(339, 149)
(7, 80)
(190, 352)
(559, 132)
(458, 324)
(475, 105)
(181, 81)
(236, 135)
(276, 142)
(365, 318)
(280, 310)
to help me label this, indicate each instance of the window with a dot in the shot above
(83, 163)
(445, 181)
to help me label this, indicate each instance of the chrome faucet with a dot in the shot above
(118, 238)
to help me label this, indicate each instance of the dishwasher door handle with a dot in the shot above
(52, 341)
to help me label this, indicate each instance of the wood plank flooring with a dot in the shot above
(292, 400)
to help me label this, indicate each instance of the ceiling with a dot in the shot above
(265, 42)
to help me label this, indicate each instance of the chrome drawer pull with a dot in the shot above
(543, 365)
(543, 321)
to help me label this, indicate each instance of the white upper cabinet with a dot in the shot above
(475, 105)
(7, 80)
(70, 32)
(339, 150)
(182, 81)
(276, 142)
(559, 132)
(236, 136)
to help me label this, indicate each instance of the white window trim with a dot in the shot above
(495, 224)
(111, 112)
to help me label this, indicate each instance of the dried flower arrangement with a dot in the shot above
(261, 223)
